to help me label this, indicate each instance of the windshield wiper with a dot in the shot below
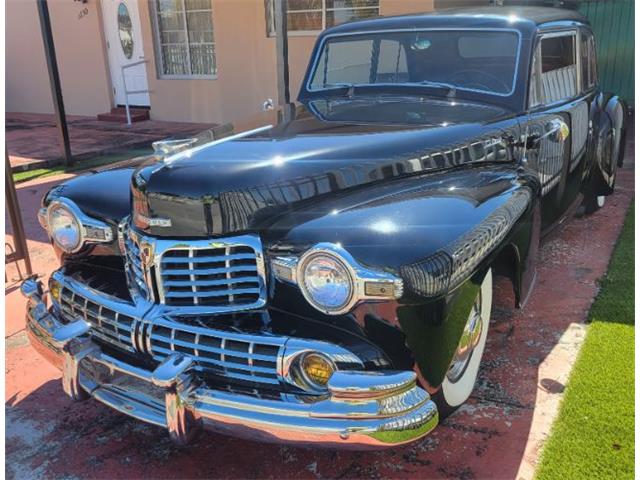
(451, 88)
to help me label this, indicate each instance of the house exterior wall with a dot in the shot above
(246, 63)
(26, 81)
(245, 58)
(246, 70)
(86, 87)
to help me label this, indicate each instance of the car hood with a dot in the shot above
(330, 146)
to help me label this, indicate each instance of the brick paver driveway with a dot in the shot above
(496, 435)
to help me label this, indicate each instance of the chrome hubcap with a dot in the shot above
(468, 342)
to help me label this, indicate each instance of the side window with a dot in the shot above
(584, 61)
(559, 75)
(587, 60)
(535, 94)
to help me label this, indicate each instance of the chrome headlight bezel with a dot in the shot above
(54, 207)
(319, 253)
(90, 230)
(367, 284)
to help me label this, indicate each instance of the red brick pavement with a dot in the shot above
(498, 434)
(33, 138)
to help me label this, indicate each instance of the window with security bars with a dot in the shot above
(312, 16)
(184, 36)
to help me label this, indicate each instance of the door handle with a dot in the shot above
(556, 130)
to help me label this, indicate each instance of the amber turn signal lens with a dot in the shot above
(54, 290)
(317, 369)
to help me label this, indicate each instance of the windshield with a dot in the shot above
(479, 60)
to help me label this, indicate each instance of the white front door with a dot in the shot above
(124, 46)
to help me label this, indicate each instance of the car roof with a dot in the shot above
(525, 19)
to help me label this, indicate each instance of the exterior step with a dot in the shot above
(119, 114)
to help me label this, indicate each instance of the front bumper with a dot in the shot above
(361, 409)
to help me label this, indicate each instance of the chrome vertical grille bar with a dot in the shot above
(192, 277)
(227, 265)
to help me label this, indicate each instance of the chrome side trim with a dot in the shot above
(448, 267)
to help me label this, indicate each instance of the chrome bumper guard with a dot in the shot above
(361, 409)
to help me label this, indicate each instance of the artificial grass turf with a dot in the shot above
(92, 162)
(593, 436)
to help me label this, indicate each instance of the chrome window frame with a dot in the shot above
(320, 49)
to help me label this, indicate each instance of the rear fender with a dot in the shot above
(609, 120)
(617, 110)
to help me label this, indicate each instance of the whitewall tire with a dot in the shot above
(463, 371)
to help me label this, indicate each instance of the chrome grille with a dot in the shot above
(135, 268)
(240, 356)
(232, 354)
(106, 324)
(216, 276)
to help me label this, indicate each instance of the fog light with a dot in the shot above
(317, 369)
(54, 290)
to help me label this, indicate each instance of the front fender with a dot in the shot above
(398, 226)
(401, 227)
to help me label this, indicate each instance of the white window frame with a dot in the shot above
(302, 33)
(158, 45)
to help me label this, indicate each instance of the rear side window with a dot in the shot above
(558, 67)
(588, 60)
(558, 52)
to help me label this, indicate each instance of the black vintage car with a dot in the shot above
(328, 279)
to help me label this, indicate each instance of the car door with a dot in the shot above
(557, 126)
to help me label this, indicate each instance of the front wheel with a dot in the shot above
(463, 370)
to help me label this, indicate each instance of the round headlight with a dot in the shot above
(326, 282)
(64, 227)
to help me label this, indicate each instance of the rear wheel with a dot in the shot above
(463, 370)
